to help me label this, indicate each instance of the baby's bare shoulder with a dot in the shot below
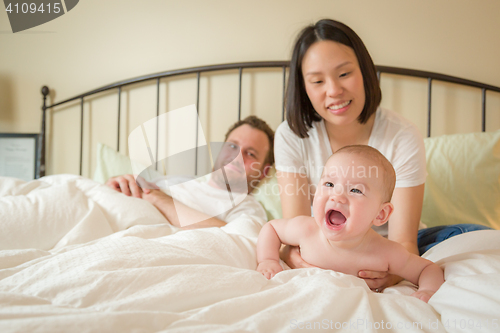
(298, 224)
(388, 248)
(303, 220)
(305, 223)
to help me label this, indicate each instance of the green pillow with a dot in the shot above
(463, 181)
(268, 194)
(110, 163)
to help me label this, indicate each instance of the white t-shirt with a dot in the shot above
(225, 206)
(395, 137)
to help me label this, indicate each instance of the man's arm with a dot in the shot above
(165, 204)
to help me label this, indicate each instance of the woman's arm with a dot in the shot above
(295, 201)
(294, 194)
(403, 225)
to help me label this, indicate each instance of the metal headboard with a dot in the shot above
(430, 76)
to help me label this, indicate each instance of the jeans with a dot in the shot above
(430, 237)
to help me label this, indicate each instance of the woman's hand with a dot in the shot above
(378, 281)
(291, 255)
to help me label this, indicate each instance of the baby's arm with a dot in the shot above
(272, 235)
(422, 272)
(431, 278)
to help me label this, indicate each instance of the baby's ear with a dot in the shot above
(383, 216)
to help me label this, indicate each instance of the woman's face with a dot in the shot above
(334, 82)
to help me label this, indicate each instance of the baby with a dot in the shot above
(353, 194)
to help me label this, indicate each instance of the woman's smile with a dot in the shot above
(339, 108)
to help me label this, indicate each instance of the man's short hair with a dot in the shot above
(389, 175)
(261, 125)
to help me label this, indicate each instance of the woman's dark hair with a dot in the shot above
(300, 113)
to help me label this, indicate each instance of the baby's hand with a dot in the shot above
(423, 295)
(269, 268)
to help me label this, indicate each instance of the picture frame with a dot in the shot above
(19, 155)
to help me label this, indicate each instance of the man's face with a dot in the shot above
(254, 146)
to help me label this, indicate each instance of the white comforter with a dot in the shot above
(76, 257)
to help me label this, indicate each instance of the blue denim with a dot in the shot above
(430, 237)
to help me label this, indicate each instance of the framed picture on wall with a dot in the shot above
(18, 155)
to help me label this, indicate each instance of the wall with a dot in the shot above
(100, 42)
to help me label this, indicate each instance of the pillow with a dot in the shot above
(268, 194)
(110, 163)
(463, 181)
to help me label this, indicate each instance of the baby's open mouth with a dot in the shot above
(335, 218)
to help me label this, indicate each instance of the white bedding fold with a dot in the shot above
(56, 211)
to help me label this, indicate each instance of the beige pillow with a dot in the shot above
(463, 181)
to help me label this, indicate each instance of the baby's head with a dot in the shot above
(364, 157)
(354, 192)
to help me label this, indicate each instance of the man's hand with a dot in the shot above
(125, 184)
(269, 268)
(291, 255)
(128, 185)
(423, 295)
(378, 281)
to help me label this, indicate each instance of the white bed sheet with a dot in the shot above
(77, 256)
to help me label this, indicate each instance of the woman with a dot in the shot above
(332, 101)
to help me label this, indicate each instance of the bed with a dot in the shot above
(78, 256)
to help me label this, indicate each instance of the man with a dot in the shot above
(255, 140)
